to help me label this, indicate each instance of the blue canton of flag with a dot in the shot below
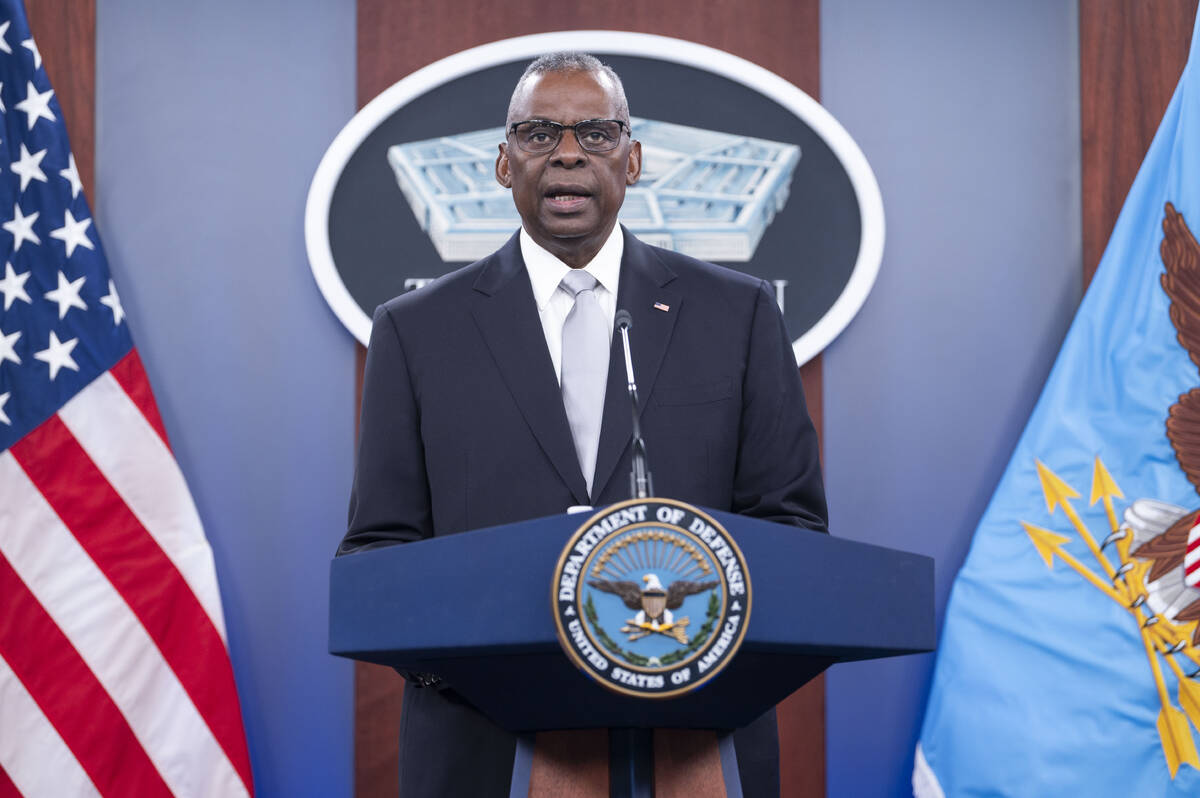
(1068, 660)
(62, 321)
(115, 677)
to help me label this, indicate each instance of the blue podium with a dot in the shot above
(476, 609)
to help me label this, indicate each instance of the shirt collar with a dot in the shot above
(547, 271)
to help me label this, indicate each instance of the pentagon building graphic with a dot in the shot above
(706, 194)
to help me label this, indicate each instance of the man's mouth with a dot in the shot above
(566, 200)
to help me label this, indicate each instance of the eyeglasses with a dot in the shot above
(539, 136)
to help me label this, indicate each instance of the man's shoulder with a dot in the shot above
(689, 272)
(450, 287)
(440, 302)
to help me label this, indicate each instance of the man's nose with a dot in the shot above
(568, 153)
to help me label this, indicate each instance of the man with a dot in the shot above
(495, 394)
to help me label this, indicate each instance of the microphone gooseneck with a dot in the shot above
(641, 484)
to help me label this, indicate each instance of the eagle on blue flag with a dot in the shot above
(1168, 535)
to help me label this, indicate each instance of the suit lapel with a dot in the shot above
(507, 317)
(644, 280)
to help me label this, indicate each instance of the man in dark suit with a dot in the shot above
(473, 414)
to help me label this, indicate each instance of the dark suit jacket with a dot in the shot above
(463, 427)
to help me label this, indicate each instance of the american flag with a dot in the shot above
(115, 677)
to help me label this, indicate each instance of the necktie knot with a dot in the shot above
(577, 280)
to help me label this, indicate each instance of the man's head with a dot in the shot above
(569, 195)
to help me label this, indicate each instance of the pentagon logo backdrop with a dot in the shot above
(740, 168)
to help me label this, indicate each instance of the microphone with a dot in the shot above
(641, 484)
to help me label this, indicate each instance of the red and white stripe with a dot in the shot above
(115, 678)
(1191, 560)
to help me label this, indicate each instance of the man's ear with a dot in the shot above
(633, 169)
(503, 177)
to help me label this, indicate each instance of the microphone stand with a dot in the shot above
(641, 483)
(633, 747)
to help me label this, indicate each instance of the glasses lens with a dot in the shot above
(599, 136)
(538, 137)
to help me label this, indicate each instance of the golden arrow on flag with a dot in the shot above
(1057, 494)
(1172, 724)
(1176, 638)
(1049, 544)
(1104, 487)
(1189, 691)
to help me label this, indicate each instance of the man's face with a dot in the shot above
(568, 198)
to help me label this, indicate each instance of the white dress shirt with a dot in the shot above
(554, 303)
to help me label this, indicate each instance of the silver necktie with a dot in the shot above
(585, 345)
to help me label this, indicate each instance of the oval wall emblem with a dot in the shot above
(651, 598)
(740, 168)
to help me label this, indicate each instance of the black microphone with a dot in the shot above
(641, 484)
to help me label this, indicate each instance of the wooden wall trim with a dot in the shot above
(395, 39)
(1130, 57)
(65, 31)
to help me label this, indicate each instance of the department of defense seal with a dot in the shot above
(651, 597)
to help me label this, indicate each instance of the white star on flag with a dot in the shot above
(57, 355)
(7, 352)
(29, 167)
(21, 226)
(70, 173)
(4, 419)
(113, 302)
(36, 106)
(13, 286)
(4, 45)
(73, 233)
(30, 45)
(67, 295)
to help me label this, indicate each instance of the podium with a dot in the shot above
(476, 609)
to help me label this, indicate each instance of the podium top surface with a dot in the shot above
(477, 608)
(489, 591)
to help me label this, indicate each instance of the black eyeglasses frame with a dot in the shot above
(561, 128)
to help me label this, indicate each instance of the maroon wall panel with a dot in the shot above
(65, 31)
(1131, 54)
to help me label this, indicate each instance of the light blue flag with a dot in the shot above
(1066, 661)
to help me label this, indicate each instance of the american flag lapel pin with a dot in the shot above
(661, 306)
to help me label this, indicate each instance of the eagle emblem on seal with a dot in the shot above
(654, 604)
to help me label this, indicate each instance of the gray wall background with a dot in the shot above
(969, 115)
(211, 120)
